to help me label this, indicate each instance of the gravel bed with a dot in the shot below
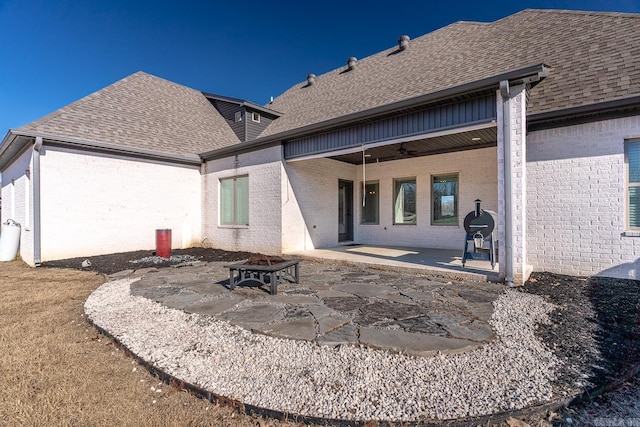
(113, 263)
(346, 382)
(156, 260)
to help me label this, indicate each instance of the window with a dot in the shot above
(234, 201)
(369, 212)
(238, 117)
(632, 149)
(444, 191)
(404, 206)
(255, 117)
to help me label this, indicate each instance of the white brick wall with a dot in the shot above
(477, 172)
(576, 200)
(519, 170)
(264, 233)
(313, 199)
(571, 173)
(95, 204)
(517, 116)
(310, 203)
(294, 205)
(13, 202)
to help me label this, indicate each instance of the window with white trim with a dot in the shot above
(444, 193)
(255, 117)
(404, 201)
(632, 158)
(234, 201)
(237, 116)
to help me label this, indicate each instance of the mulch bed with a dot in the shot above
(595, 328)
(113, 263)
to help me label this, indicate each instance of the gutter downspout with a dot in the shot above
(37, 248)
(508, 196)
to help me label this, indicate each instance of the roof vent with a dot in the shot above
(351, 62)
(403, 42)
(311, 79)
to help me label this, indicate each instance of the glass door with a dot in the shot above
(345, 209)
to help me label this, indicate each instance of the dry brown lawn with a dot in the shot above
(55, 369)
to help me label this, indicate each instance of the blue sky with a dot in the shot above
(55, 52)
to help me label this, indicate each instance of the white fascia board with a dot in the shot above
(131, 151)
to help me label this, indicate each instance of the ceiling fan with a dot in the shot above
(403, 152)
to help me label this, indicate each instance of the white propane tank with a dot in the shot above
(9, 240)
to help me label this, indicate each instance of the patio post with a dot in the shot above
(511, 114)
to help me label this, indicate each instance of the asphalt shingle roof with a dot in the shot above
(594, 57)
(142, 111)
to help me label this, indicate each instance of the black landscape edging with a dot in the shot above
(284, 416)
(215, 398)
(596, 391)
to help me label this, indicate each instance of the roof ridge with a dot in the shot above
(386, 51)
(144, 73)
(138, 74)
(577, 12)
(141, 111)
(431, 34)
(241, 102)
(54, 114)
(583, 47)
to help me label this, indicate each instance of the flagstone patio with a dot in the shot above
(336, 305)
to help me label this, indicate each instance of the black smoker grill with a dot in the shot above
(479, 244)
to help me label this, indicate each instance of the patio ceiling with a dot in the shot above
(469, 140)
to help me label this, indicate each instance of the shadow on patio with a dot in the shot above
(439, 262)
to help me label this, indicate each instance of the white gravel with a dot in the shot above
(347, 382)
(174, 259)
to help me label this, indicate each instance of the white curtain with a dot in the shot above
(226, 201)
(242, 200)
(234, 201)
(399, 206)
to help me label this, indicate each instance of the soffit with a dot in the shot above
(424, 147)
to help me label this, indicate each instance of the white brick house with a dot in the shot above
(101, 174)
(537, 115)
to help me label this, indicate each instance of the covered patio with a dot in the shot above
(403, 175)
(438, 262)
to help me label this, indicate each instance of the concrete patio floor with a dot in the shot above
(437, 262)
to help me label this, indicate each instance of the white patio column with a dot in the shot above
(515, 189)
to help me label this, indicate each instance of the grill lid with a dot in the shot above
(479, 221)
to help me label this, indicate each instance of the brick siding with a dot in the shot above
(315, 187)
(576, 199)
(95, 204)
(264, 233)
(14, 209)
